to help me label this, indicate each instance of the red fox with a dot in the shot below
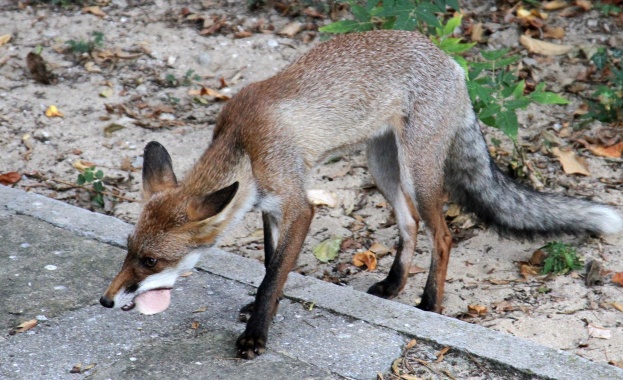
(394, 92)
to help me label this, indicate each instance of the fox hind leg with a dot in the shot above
(383, 164)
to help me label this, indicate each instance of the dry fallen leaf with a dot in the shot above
(477, 32)
(380, 249)
(9, 178)
(542, 47)
(94, 10)
(200, 310)
(5, 39)
(111, 128)
(441, 353)
(396, 366)
(195, 325)
(411, 344)
(27, 141)
(414, 269)
(595, 331)
(555, 5)
(76, 369)
(291, 29)
(328, 249)
(537, 258)
(322, 198)
(571, 164)
(477, 309)
(186, 274)
(617, 306)
(82, 165)
(527, 270)
(366, 258)
(205, 91)
(613, 151)
(25, 326)
(37, 67)
(556, 33)
(584, 4)
(618, 278)
(52, 111)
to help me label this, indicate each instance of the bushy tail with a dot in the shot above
(475, 182)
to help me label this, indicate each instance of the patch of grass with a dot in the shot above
(84, 46)
(561, 258)
(606, 102)
(171, 80)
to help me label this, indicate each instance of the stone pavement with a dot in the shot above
(56, 260)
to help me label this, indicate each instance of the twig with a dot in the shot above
(76, 186)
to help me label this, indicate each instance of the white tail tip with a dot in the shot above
(608, 220)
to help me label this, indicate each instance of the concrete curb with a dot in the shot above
(525, 356)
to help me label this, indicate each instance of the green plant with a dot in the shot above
(171, 81)
(94, 178)
(606, 102)
(494, 87)
(83, 46)
(608, 9)
(561, 258)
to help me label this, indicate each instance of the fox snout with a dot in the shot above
(107, 302)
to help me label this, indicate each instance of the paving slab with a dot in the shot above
(56, 260)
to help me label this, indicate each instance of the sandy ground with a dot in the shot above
(146, 44)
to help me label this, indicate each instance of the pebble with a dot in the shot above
(272, 43)
(204, 59)
(138, 162)
(166, 116)
(50, 267)
(24, 245)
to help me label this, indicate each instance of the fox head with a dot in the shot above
(173, 222)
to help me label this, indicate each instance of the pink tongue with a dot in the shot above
(153, 301)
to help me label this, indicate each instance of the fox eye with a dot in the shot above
(149, 262)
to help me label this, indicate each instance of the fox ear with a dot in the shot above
(157, 170)
(204, 207)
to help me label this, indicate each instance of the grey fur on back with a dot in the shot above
(475, 182)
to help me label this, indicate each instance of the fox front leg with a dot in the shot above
(295, 224)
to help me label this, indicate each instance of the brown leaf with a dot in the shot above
(76, 369)
(527, 270)
(411, 344)
(613, 151)
(441, 353)
(94, 10)
(396, 366)
(320, 197)
(556, 33)
(200, 310)
(618, 278)
(25, 326)
(380, 249)
(195, 325)
(82, 165)
(571, 164)
(555, 5)
(595, 331)
(584, 4)
(313, 13)
(477, 32)
(38, 69)
(5, 39)
(52, 111)
(9, 178)
(291, 29)
(414, 269)
(204, 91)
(537, 258)
(542, 47)
(477, 309)
(112, 127)
(243, 34)
(617, 306)
(365, 258)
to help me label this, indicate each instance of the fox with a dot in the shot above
(394, 93)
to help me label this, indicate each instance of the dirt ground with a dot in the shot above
(138, 85)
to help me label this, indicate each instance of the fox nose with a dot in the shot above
(107, 302)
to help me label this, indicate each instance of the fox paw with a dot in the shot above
(384, 289)
(246, 312)
(250, 346)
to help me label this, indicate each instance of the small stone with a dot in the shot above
(138, 162)
(50, 267)
(204, 59)
(166, 116)
(272, 43)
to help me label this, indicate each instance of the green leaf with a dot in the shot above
(507, 123)
(547, 98)
(98, 186)
(81, 180)
(454, 4)
(519, 89)
(99, 174)
(490, 110)
(600, 58)
(88, 175)
(360, 13)
(346, 26)
(452, 24)
(517, 103)
(328, 249)
(492, 55)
